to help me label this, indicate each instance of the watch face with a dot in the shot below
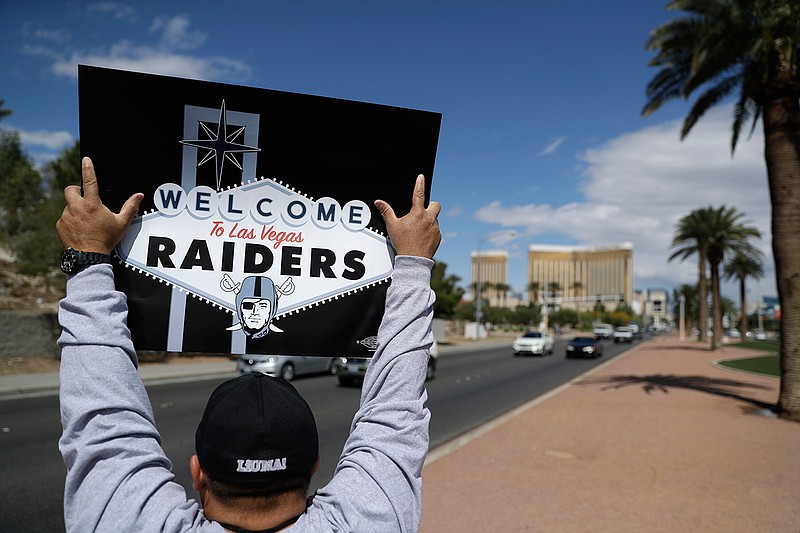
(68, 260)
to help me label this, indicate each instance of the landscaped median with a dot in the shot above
(767, 364)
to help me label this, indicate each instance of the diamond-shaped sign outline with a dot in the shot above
(229, 306)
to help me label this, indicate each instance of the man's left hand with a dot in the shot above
(88, 225)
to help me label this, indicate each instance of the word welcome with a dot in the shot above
(263, 204)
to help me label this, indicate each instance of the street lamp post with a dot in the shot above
(682, 325)
(546, 313)
(478, 313)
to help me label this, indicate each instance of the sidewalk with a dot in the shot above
(656, 440)
(47, 382)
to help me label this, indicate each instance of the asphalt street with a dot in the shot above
(472, 387)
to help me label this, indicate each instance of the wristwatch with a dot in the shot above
(73, 261)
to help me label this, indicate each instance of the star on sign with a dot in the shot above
(220, 144)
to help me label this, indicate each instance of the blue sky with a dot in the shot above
(541, 142)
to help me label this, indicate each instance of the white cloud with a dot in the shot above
(169, 56)
(116, 10)
(639, 184)
(37, 32)
(502, 237)
(455, 211)
(53, 140)
(175, 33)
(553, 146)
(127, 56)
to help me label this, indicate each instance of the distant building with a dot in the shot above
(639, 302)
(586, 275)
(657, 309)
(491, 269)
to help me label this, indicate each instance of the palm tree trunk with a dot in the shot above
(781, 120)
(743, 300)
(716, 306)
(702, 297)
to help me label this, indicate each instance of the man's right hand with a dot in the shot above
(88, 225)
(417, 233)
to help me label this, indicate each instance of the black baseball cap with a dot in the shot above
(256, 429)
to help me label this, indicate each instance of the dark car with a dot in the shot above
(584, 347)
(351, 370)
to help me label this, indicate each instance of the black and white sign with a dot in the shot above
(258, 232)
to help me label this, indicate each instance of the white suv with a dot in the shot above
(603, 331)
(623, 334)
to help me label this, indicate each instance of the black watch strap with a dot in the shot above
(73, 260)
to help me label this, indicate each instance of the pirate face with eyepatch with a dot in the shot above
(256, 305)
(255, 313)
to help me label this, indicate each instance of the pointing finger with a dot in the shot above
(418, 199)
(90, 189)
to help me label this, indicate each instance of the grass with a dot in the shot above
(768, 365)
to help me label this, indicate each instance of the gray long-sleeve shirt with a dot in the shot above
(119, 479)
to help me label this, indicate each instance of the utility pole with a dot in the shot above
(478, 312)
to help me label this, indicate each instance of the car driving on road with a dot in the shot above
(603, 331)
(533, 342)
(588, 347)
(623, 334)
(285, 366)
(351, 370)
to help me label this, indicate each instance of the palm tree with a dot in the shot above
(751, 47)
(474, 286)
(725, 234)
(534, 287)
(576, 287)
(741, 267)
(553, 288)
(690, 303)
(3, 112)
(690, 238)
(503, 289)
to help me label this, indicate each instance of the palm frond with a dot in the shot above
(709, 99)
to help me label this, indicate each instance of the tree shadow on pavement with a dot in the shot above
(728, 388)
(696, 347)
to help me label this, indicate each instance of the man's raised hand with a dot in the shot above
(88, 225)
(417, 233)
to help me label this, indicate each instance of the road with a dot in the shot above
(471, 388)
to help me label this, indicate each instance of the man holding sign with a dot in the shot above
(257, 441)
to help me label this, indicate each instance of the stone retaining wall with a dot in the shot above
(28, 333)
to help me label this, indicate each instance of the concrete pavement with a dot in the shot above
(658, 440)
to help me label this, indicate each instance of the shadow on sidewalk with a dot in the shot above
(659, 382)
(696, 347)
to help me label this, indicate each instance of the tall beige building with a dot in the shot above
(603, 273)
(491, 268)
